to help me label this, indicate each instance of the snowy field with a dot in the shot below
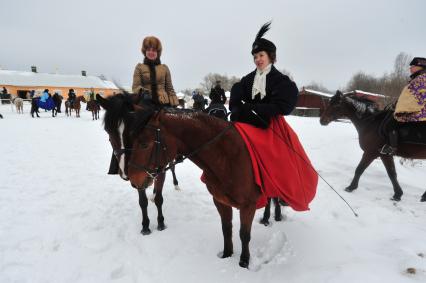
(63, 219)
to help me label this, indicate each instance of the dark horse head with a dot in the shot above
(341, 106)
(121, 122)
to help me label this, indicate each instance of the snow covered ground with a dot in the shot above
(62, 219)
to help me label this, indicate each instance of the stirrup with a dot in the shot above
(388, 150)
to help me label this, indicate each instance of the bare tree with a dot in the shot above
(388, 84)
(209, 81)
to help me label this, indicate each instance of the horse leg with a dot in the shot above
(390, 169)
(278, 215)
(366, 160)
(143, 203)
(225, 213)
(158, 188)
(246, 220)
(175, 180)
(266, 213)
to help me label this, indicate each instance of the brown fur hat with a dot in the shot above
(151, 41)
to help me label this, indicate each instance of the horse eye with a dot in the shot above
(144, 145)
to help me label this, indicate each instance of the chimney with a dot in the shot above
(83, 73)
(34, 69)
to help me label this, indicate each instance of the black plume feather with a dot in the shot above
(262, 31)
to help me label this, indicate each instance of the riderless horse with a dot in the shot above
(368, 121)
(19, 104)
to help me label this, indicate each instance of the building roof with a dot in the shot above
(366, 93)
(31, 79)
(318, 92)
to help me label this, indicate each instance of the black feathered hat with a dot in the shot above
(418, 61)
(262, 44)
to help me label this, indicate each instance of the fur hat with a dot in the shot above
(418, 61)
(151, 41)
(262, 44)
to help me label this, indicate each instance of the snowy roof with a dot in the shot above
(366, 93)
(31, 79)
(318, 92)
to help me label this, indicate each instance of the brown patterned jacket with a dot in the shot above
(165, 91)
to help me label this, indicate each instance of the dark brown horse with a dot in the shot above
(75, 106)
(155, 138)
(93, 106)
(368, 121)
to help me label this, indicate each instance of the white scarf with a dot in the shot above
(259, 83)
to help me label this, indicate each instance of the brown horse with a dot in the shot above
(76, 106)
(368, 121)
(93, 106)
(156, 137)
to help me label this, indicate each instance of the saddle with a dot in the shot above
(408, 132)
(412, 132)
(217, 110)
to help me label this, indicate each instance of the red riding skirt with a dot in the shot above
(280, 165)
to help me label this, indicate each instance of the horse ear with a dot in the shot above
(338, 92)
(102, 101)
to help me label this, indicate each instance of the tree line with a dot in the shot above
(389, 84)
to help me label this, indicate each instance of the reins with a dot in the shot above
(179, 159)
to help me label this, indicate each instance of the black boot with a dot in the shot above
(392, 147)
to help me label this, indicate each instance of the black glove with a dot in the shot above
(245, 114)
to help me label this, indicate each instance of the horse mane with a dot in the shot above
(364, 107)
(119, 105)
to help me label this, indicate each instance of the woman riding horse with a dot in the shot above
(152, 81)
(410, 109)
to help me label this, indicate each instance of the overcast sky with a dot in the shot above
(323, 41)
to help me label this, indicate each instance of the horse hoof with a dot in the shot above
(350, 189)
(394, 198)
(264, 222)
(278, 218)
(423, 199)
(161, 227)
(146, 231)
(225, 254)
(244, 263)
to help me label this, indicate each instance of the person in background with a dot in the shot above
(217, 94)
(199, 101)
(71, 97)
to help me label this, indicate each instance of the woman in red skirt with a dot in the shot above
(258, 103)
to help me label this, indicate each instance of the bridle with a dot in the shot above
(160, 147)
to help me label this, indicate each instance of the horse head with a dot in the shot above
(152, 148)
(334, 110)
(118, 120)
